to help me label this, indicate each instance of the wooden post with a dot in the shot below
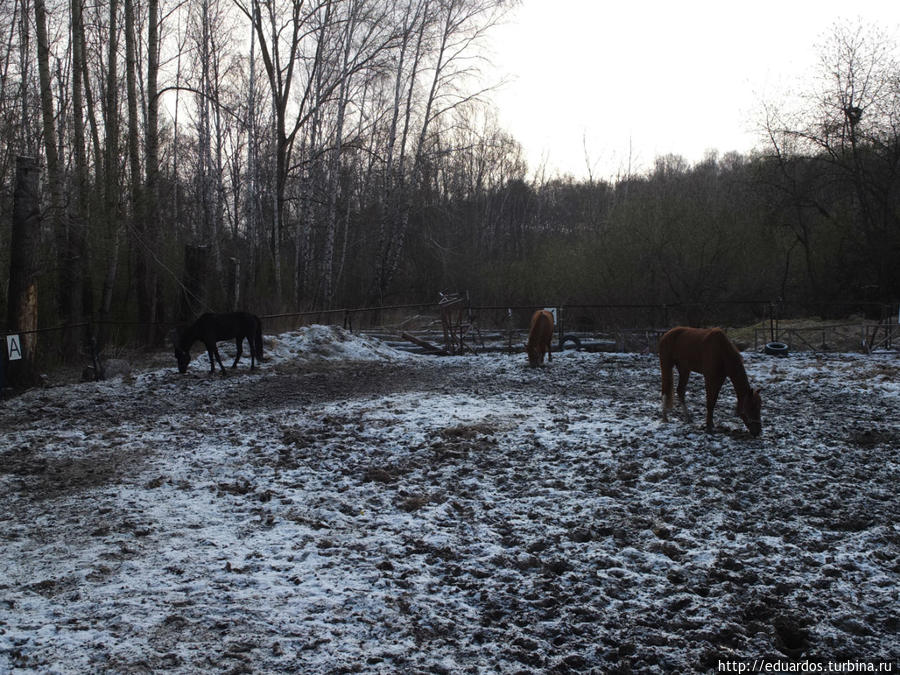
(560, 317)
(23, 271)
(772, 321)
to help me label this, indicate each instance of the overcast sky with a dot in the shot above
(644, 78)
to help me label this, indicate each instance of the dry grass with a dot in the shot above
(814, 334)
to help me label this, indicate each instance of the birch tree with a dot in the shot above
(281, 43)
(437, 52)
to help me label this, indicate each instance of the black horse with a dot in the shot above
(210, 328)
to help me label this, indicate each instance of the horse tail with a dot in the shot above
(667, 379)
(258, 347)
(666, 364)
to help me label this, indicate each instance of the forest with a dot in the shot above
(285, 156)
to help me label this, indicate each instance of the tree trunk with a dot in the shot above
(83, 299)
(253, 202)
(139, 244)
(234, 284)
(193, 285)
(326, 273)
(151, 197)
(23, 270)
(111, 168)
(67, 293)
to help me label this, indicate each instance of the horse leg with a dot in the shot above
(666, 377)
(683, 374)
(239, 342)
(218, 358)
(713, 387)
(549, 352)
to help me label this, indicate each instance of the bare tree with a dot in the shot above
(301, 55)
(364, 36)
(141, 249)
(152, 220)
(436, 52)
(354, 146)
(838, 155)
(281, 45)
(66, 292)
(111, 163)
(82, 298)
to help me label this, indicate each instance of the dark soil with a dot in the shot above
(461, 515)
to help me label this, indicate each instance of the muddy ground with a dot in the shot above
(401, 514)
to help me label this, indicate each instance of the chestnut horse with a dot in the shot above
(707, 351)
(540, 335)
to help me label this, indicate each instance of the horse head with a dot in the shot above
(184, 358)
(749, 408)
(535, 356)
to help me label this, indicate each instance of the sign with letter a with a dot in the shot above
(13, 347)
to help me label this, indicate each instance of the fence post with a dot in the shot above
(771, 321)
(561, 315)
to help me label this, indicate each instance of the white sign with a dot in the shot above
(13, 347)
(552, 311)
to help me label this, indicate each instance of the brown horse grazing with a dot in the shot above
(710, 353)
(540, 335)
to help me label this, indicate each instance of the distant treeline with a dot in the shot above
(338, 155)
(726, 229)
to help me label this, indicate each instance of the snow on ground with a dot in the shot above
(330, 343)
(352, 508)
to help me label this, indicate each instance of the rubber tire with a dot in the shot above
(572, 338)
(776, 349)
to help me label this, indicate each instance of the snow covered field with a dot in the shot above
(350, 508)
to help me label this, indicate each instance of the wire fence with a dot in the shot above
(601, 327)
